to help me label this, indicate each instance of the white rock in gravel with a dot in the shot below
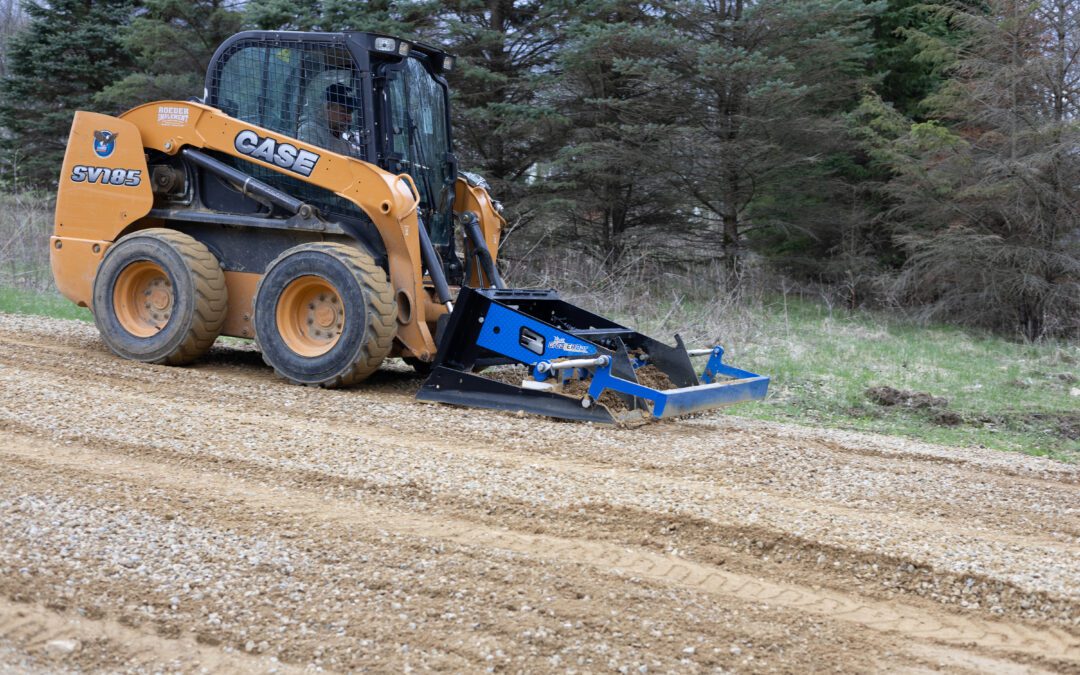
(61, 647)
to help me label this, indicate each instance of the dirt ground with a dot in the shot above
(214, 518)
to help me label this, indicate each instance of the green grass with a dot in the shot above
(15, 300)
(1005, 395)
(1009, 395)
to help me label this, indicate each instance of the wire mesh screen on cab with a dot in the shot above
(304, 90)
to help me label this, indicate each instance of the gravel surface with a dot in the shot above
(215, 518)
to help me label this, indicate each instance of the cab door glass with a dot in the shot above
(419, 142)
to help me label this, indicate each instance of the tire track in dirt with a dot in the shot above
(556, 470)
(245, 369)
(624, 527)
(242, 371)
(244, 404)
(859, 444)
(909, 621)
(259, 442)
(291, 421)
(288, 423)
(103, 643)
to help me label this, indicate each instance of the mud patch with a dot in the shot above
(1069, 426)
(934, 407)
(613, 402)
(513, 375)
(887, 396)
(947, 418)
(609, 399)
(1065, 425)
(649, 376)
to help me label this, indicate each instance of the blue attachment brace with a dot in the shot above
(514, 335)
(673, 402)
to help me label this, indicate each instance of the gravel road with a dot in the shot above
(214, 518)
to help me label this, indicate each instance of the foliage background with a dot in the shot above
(917, 157)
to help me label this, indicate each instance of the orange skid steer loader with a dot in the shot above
(310, 200)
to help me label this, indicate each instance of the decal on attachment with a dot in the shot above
(558, 342)
(105, 175)
(278, 153)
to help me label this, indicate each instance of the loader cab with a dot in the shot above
(373, 97)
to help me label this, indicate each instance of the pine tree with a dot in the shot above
(172, 42)
(608, 183)
(402, 19)
(506, 125)
(756, 90)
(912, 41)
(988, 191)
(12, 19)
(69, 50)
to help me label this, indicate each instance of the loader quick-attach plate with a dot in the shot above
(580, 366)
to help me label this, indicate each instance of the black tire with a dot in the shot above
(177, 268)
(363, 330)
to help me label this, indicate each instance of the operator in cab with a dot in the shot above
(331, 128)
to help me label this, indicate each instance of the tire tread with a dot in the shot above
(381, 311)
(211, 295)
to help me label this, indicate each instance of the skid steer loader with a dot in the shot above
(310, 200)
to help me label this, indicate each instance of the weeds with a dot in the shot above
(827, 362)
(25, 226)
(826, 369)
(14, 300)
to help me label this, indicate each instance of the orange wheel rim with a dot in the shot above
(143, 298)
(310, 316)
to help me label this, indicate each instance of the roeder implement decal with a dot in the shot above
(172, 115)
(285, 155)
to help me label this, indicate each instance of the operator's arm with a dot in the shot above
(318, 134)
(309, 132)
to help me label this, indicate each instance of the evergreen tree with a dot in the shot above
(912, 42)
(69, 51)
(172, 42)
(608, 183)
(988, 192)
(755, 91)
(506, 124)
(402, 19)
(12, 19)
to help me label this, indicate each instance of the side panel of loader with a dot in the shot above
(104, 188)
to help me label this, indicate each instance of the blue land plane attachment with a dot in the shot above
(572, 364)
